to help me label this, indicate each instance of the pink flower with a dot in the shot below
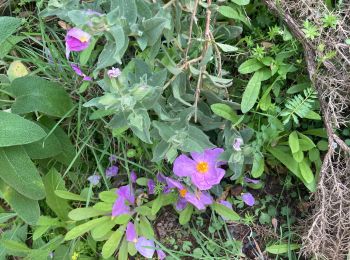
(130, 233)
(121, 204)
(76, 40)
(114, 72)
(145, 247)
(161, 254)
(79, 72)
(198, 199)
(151, 186)
(203, 169)
(248, 199)
(133, 176)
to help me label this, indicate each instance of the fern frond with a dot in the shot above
(299, 106)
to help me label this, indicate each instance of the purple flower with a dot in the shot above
(94, 179)
(112, 171)
(227, 205)
(151, 185)
(248, 199)
(114, 72)
(161, 254)
(145, 247)
(112, 158)
(248, 180)
(76, 40)
(133, 176)
(79, 72)
(200, 199)
(237, 144)
(160, 177)
(125, 195)
(130, 233)
(181, 204)
(203, 169)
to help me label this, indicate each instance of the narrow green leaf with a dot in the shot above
(146, 228)
(225, 111)
(108, 196)
(157, 204)
(123, 251)
(225, 212)
(112, 243)
(83, 228)
(306, 171)
(293, 141)
(226, 47)
(282, 248)
(69, 195)
(102, 229)
(6, 216)
(250, 66)
(258, 166)
(84, 213)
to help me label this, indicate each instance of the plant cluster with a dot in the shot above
(182, 105)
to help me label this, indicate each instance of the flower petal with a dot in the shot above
(119, 207)
(130, 233)
(184, 166)
(181, 204)
(173, 183)
(145, 247)
(248, 199)
(126, 193)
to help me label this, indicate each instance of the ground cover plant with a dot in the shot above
(181, 129)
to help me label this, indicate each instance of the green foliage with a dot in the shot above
(310, 30)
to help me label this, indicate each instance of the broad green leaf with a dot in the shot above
(69, 195)
(44, 148)
(225, 111)
(108, 196)
(225, 212)
(40, 231)
(314, 155)
(18, 171)
(122, 219)
(27, 209)
(17, 70)
(52, 181)
(185, 215)
(8, 26)
(251, 93)
(258, 166)
(35, 94)
(241, 2)
(15, 246)
(84, 213)
(293, 141)
(146, 228)
(226, 47)
(113, 242)
(6, 216)
(234, 13)
(250, 66)
(142, 181)
(83, 228)
(306, 171)
(282, 248)
(305, 142)
(298, 156)
(313, 115)
(6, 46)
(144, 210)
(103, 206)
(16, 130)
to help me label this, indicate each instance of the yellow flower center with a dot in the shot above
(202, 167)
(83, 39)
(183, 192)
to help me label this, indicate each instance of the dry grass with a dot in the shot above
(327, 234)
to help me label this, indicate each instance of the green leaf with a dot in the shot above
(18, 171)
(250, 66)
(305, 142)
(225, 111)
(251, 93)
(69, 195)
(157, 204)
(123, 251)
(234, 14)
(83, 228)
(108, 196)
(35, 94)
(258, 166)
(241, 2)
(145, 228)
(226, 47)
(293, 141)
(282, 248)
(84, 213)
(16, 130)
(8, 25)
(306, 171)
(15, 246)
(45, 148)
(6, 46)
(112, 243)
(6, 216)
(298, 156)
(185, 215)
(52, 181)
(225, 212)
(102, 229)
(27, 209)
